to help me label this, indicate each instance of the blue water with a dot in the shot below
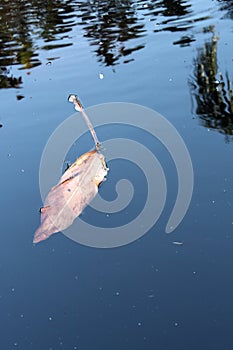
(151, 293)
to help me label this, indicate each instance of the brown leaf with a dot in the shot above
(76, 188)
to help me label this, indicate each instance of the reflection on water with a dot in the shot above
(109, 25)
(24, 22)
(212, 91)
(227, 5)
(115, 29)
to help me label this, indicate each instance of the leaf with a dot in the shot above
(76, 188)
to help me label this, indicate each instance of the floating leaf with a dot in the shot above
(76, 188)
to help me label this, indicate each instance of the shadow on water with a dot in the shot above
(212, 91)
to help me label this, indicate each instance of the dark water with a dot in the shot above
(175, 57)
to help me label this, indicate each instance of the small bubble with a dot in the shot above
(50, 318)
(101, 76)
(139, 324)
(12, 289)
(117, 293)
(175, 324)
(22, 170)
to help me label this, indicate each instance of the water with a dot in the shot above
(172, 56)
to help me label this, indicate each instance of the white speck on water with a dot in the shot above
(175, 324)
(151, 296)
(194, 272)
(12, 289)
(177, 243)
(22, 170)
(22, 316)
(170, 79)
(9, 155)
(213, 202)
(76, 277)
(50, 318)
(101, 76)
(16, 344)
(139, 324)
(117, 293)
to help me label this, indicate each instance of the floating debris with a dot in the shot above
(101, 76)
(76, 188)
(19, 97)
(177, 243)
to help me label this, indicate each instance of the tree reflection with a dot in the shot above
(212, 91)
(227, 5)
(24, 22)
(112, 27)
(109, 25)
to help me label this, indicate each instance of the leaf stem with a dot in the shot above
(78, 106)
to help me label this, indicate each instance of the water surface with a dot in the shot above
(172, 56)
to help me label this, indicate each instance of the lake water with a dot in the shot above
(175, 57)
